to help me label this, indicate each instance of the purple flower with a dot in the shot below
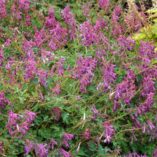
(12, 123)
(39, 37)
(148, 86)
(52, 144)
(66, 138)
(104, 4)
(30, 69)
(64, 153)
(42, 75)
(41, 150)
(51, 20)
(3, 12)
(149, 71)
(126, 43)
(15, 12)
(46, 56)
(7, 42)
(125, 90)
(147, 52)
(28, 20)
(29, 146)
(116, 27)
(108, 132)
(1, 57)
(95, 112)
(146, 105)
(58, 68)
(19, 124)
(9, 64)
(27, 47)
(88, 34)
(135, 121)
(150, 125)
(100, 53)
(109, 75)
(84, 71)
(58, 37)
(134, 19)
(24, 4)
(57, 89)
(29, 116)
(87, 134)
(70, 21)
(134, 155)
(100, 24)
(86, 9)
(3, 100)
(155, 153)
(116, 13)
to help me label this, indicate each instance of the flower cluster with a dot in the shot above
(3, 100)
(134, 19)
(147, 52)
(51, 21)
(64, 153)
(84, 71)
(30, 69)
(42, 75)
(3, 11)
(108, 132)
(24, 5)
(125, 90)
(19, 123)
(39, 37)
(66, 138)
(134, 155)
(146, 105)
(104, 4)
(116, 26)
(58, 68)
(58, 37)
(88, 34)
(40, 149)
(126, 43)
(70, 21)
(109, 75)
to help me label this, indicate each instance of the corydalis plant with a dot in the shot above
(104, 4)
(24, 5)
(58, 37)
(19, 124)
(126, 43)
(84, 71)
(50, 21)
(3, 100)
(66, 139)
(3, 11)
(117, 28)
(109, 75)
(147, 52)
(125, 90)
(134, 19)
(88, 34)
(108, 131)
(70, 21)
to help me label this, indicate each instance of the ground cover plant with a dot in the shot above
(76, 79)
